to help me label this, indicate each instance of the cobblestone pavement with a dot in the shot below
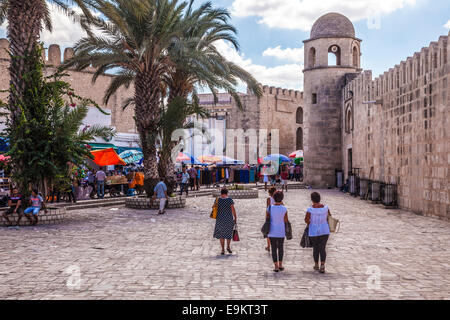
(120, 253)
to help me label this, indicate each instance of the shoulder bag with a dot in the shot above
(266, 226)
(334, 224)
(215, 209)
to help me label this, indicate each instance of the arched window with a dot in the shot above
(355, 57)
(334, 56)
(312, 57)
(299, 139)
(348, 119)
(299, 115)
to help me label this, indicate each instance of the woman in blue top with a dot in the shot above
(319, 230)
(278, 216)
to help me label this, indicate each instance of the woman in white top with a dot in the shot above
(270, 202)
(319, 230)
(278, 217)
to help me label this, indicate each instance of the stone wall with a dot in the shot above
(404, 137)
(275, 110)
(81, 82)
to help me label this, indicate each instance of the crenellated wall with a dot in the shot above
(404, 137)
(276, 109)
(82, 84)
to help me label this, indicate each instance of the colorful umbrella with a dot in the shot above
(183, 157)
(296, 154)
(209, 159)
(186, 158)
(228, 160)
(3, 158)
(107, 157)
(131, 156)
(277, 157)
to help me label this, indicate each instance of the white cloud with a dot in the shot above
(290, 54)
(288, 76)
(447, 25)
(65, 32)
(301, 14)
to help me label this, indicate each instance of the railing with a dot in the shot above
(363, 188)
(375, 191)
(389, 195)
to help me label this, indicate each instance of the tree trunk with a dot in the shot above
(147, 111)
(166, 167)
(24, 28)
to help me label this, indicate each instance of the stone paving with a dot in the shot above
(118, 253)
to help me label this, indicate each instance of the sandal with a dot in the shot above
(276, 270)
(281, 269)
(229, 250)
(222, 253)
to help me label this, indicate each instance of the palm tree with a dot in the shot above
(198, 63)
(26, 20)
(136, 39)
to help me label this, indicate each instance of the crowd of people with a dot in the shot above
(276, 214)
(191, 178)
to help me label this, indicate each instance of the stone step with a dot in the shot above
(112, 203)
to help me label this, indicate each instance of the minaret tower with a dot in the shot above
(331, 53)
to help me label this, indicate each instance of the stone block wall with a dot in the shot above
(81, 82)
(404, 138)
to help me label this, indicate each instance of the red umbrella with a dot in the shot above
(107, 157)
(182, 157)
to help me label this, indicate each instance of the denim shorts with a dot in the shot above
(33, 210)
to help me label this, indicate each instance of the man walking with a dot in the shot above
(184, 182)
(100, 176)
(160, 192)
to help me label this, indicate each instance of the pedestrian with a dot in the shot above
(15, 206)
(184, 182)
(319, 231)
(297, 173)
(91, 182)
(265, 178)
(192, 177)
(226, 220)
(291, 172)
(36, 202)
(284, 179)
(160, 192)
(270, 202)
(278, 216)
(100, 176)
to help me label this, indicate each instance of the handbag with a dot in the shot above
(235, 233)
(306, 241)
(288, 229)
(266, 226)
(215, 209)
(334, 224)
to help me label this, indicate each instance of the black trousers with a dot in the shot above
(277, 249)
(319, 243)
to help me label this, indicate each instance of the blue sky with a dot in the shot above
(271, 32)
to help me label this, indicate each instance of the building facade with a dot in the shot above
(121, 120)
(393, 129)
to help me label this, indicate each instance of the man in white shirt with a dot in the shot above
(100, 176)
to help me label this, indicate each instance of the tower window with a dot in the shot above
(312, 57)
(334, 56)
(355, 57)
(314, 98)
(300, 115)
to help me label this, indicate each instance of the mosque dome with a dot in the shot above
(333, 25)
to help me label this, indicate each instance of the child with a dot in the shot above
(36, 201)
